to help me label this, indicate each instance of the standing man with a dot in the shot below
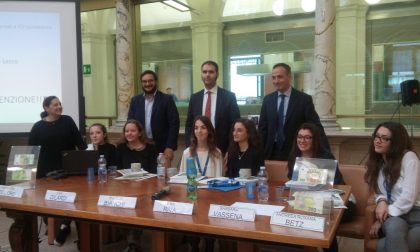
(282, 113)
(216, 103)
(158, 114)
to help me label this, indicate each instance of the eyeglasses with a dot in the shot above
(381, 139)
(147, 81)
(304, 138)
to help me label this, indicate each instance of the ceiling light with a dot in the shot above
(177, 5)
(278, 7)
(372, 1)
(308, 5)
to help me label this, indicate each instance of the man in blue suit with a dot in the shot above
(158, 114)
(222, 108)
(278, 128)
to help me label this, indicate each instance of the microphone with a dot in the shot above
(163, 191)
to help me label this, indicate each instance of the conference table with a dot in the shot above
(23, 234)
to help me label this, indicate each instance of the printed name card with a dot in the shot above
(60, 196)
(117, 201)
(300, 221)
(232, 213)
(173, 207)
(11, 191)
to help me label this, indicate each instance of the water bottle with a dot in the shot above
(161, 166)
(262, 184)
(192, 183)
(102, 176)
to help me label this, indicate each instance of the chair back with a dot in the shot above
(277, 170)
(354, 175)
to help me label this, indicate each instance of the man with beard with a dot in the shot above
(221, 108)
(158, 114)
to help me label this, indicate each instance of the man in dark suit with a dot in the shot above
(158, 114)
(278, 129)
(222, 108)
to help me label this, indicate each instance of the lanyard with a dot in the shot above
(203, 173)
(388, 191)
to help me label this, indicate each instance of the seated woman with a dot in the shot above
(135, 148)
(393, 172)
(308, 144)
(99, 141)
(244, 149)
(208, 158)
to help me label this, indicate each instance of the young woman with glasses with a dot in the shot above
(393, 173)
(308, 144)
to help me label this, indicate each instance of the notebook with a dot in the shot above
(76, 162)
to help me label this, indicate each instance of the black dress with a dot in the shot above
(110, 153)
(54, 137)
(147, 157)
(251, 159)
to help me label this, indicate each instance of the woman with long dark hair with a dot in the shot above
(99, 141)
(244, 149)
(208, 158)
(393, 173)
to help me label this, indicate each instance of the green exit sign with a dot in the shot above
(87, 69)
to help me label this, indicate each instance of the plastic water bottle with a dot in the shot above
(192, 183)
(102, 176)
(161, 171)
(262, 184)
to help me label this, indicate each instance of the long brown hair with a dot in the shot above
(211, 140)
(103, 129)
(142, 137)
(316, 141)
(253, 139)
(400, 144)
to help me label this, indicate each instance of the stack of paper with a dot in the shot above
(181, 178)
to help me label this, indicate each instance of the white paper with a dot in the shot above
(173, 207)
(260, 209)
(231, 213)
(300, 221)
(117, 201)
(11, 191)
(181, 178)
(60, 196)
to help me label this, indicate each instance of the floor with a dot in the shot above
(345, 244)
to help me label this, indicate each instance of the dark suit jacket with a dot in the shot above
(164, 121)
(300, 110)
(227, 111)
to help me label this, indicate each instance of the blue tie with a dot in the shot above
(280, 133)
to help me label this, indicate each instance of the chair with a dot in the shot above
(277, 170)
(354, 175)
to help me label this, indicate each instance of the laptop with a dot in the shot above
(77, 162)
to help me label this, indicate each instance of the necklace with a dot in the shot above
(241, 155)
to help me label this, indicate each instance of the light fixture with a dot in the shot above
(278, 7)
(177, 5)
(308, 5)
(372, 1)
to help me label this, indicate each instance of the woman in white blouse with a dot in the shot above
(208, 158)
(393, 172)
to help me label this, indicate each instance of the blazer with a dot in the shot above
(227, 111)
(300, 110)
(164, 120)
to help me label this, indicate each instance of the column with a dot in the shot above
(324, 63)
(207, 37)
(125, 58)
(351, 61)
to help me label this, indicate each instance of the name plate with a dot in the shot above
(11, 191)
(117, 201)
(301, 221)
(232, 213)
(173, 207)
(60, 196)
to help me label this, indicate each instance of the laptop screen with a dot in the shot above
(77, 162)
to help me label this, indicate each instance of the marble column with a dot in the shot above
(125, 58)
(324, 63)
(207, 37)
